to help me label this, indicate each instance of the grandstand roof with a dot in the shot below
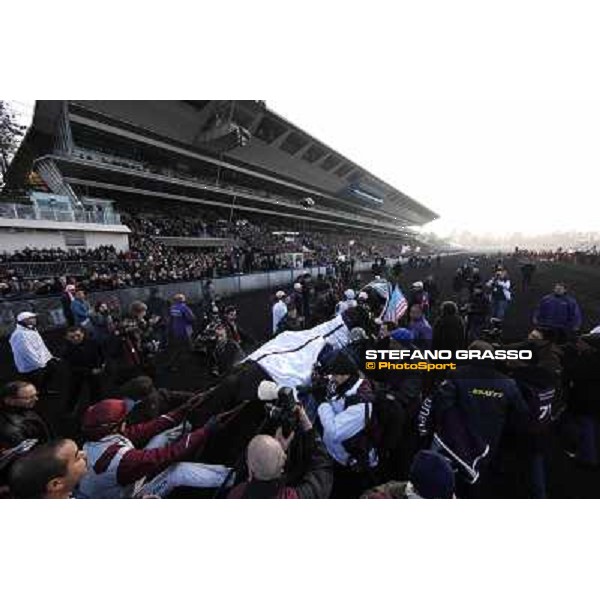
(275, 150)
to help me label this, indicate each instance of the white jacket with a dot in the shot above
(341, 423)
(279, 311)
(29, 350)
(504, 284)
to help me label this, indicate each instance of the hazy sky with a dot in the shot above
(495, 126)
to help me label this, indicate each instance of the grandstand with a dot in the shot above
(233, 157)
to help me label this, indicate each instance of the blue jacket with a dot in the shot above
(469, 414)
(80, 310)
(181, 320)
(558, 312)
(423, 334)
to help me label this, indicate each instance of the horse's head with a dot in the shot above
(360, 317)
(377, 297)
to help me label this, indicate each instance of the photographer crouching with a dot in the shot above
(293, 462)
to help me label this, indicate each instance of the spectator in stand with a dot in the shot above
(279, 310)
(559, 312)
(66, 299)
(32, 358)
(81, 309)
(85, 361)
(49, 471)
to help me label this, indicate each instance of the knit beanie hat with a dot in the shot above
(431, 475)
(341, 364)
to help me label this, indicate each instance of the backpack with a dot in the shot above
(383, 430)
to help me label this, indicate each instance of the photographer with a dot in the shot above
(499, 287)
(266, 460)
(346, 418)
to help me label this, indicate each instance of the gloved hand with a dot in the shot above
(212, 425)
(220, 421)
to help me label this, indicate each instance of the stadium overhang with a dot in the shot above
(238, 136)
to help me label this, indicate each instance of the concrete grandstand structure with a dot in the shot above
(233, 155)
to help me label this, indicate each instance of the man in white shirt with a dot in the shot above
(279, 310)
(29, 351)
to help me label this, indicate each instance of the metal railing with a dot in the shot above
(30, 212)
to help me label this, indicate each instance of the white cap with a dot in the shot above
(418, 285)
(267, 390)
(280, 294)
(350, 295)
(25, 315)
(298, 286)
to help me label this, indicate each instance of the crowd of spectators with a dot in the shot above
(485, 429)
(590, 256)
(257, 245)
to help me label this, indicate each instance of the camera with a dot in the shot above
(493, 333)
(282, 411)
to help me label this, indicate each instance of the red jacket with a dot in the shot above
(138, 463)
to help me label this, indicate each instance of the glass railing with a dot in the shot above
(23, 211)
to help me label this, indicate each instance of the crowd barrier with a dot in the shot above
(50, 314)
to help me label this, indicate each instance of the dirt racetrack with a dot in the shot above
(565, 478)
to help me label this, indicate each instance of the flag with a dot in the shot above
(397, 306)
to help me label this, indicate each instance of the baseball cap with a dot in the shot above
(100, 418)
(25, 315)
